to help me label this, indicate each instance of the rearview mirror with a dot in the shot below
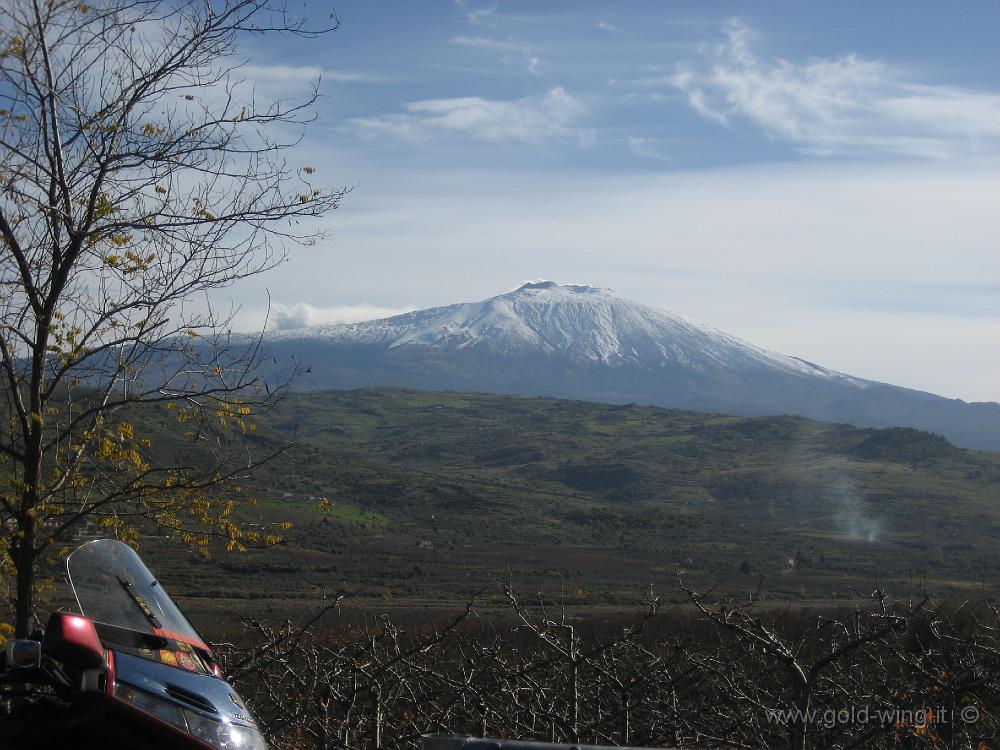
(24, 654)
(73, 640)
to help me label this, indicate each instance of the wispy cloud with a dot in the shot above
(476, 16)
(513, 52)
(304, 315)
(531, 119)
(281, 73)
(646, 148)
(605, 26)
(356, 76)
(841, 105)
(301, 75)
(485, 42)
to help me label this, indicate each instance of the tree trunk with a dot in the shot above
(24, 554)
(800, 729)
(24, 563)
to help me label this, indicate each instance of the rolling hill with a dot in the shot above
(436, 494)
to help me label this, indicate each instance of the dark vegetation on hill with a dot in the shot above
(906, 445)
(433, 495)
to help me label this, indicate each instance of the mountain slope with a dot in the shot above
(592, 344)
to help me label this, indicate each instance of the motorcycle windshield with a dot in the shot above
(114, 587)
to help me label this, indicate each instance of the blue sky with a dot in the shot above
(818, 178)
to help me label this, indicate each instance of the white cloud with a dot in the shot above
(646, 148)
(281, 73)
(304, 315)
(476, 16)
(485, 42)
(531, 119)
(841, 105)
(355, 76)
(515, 52)
(605, 26)
(299, 75)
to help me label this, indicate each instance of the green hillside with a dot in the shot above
(434, 494)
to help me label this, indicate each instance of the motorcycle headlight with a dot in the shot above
(150, 704)
(224, 736)
(219, 734)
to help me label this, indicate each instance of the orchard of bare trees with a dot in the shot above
(712, 674)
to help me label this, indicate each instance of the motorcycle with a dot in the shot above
(128, 671)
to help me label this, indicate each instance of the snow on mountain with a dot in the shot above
(579, 322)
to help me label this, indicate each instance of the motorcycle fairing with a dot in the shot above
(204, 694)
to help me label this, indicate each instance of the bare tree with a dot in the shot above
(138, 174)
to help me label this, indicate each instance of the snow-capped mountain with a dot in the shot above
(588, 343)
(577, 322)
